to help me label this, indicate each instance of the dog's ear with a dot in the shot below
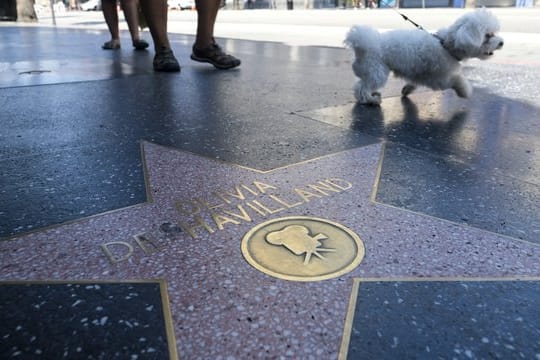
(469, 36)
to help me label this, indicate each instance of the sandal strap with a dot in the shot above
(214, 55)
(140, 44)
(164, 60)
(111, 45)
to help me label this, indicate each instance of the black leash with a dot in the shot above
(419, 27)
(405, 17)
(409, 20)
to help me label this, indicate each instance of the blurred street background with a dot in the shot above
(326, 26)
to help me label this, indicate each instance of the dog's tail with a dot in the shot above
(364, 39)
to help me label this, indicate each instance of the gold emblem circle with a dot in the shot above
(302, 248)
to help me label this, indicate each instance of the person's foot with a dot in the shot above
(140, 44)
(165, 61)
(113, 44)
(213, 54)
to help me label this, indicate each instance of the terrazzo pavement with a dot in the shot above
(141, 178)
(222, 305)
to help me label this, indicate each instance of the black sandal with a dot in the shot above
(111, 45)
(140, 44)
(165, 61)
(214, 55)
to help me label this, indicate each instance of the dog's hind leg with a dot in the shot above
(461, 86)
(373, 75)
(407, 89)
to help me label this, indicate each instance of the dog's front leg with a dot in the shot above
(365, 95)
(407, 89)
(461, 86)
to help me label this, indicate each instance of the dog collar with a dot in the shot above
(441, 41)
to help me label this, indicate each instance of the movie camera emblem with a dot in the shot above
(302, 248)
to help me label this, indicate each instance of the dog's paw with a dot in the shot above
(462, 87)
(407, 89)
(365, 96)
(374, 100)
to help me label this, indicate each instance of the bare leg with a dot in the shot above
(205, 48)
(132, 18)
(111, 18)
(206, 18)
(155, 12)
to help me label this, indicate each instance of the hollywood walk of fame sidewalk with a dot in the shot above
(220, 304)
(121, 184)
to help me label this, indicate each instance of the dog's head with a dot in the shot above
(473, 35)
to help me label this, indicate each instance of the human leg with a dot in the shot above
(110, 14)
(155, 12)
(131, 14)
(206, 18)
(205, 48)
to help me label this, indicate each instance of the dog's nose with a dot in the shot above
(500, 44)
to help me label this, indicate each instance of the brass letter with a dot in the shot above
(262, 186)
(200, 224)
(270, 211)
(238, 195)
(323, 187)
(220, 220)
(255, 208)
(207, 205)
(306, 194)
(345, 185)
(146, 244)
(282, 202)
(248, 189)
(243, 215)
(115, 259)
(180, 208)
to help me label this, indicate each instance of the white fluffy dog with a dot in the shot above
(419, 57)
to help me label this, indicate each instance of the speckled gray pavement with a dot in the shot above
(127, 198)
